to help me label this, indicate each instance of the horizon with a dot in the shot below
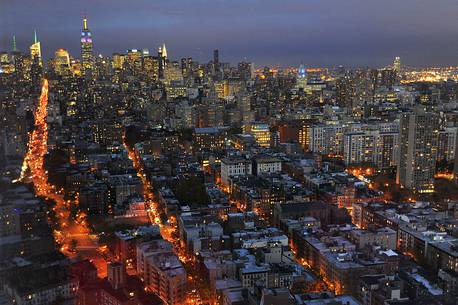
(318, 34)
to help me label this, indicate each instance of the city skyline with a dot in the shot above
(220, 152)
(317, 34)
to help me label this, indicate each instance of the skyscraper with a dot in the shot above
(163, 51)
(36, 68)
(162, 54)
(35, 49)
(14, 44)
(397, 64)
(61, 61)
(301, 78)
(86, 49)
(418, 140)
(118, 61)
(216, 66)
(216, 58)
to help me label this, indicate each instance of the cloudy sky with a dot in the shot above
(266, 32)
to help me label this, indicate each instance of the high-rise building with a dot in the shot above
(61, 61)
(447, 144)
(86, 49)
(245, 70)
(397, 64)
(216, 65)
(216, 58)
(244, 106)
(186, 67)
(118, 61)
(173, 72)
(301, 79)
(36, 67)
(371, 146)
(151, 67)
(418, 141)
(162, 54)
(14, 44)
(133, 61)
(327, 139)
(35, 49)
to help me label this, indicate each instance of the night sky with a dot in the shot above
(266, 32)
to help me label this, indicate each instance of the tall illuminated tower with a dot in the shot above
(162, 54)
(86, 49)
(418, 138)
(14, 44)
(397, 64)
(35, 49)
(301, 78)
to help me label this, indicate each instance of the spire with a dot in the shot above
(14, 43)
(84, 23)
(164, 51)
(35, 39)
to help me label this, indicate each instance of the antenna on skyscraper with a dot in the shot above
(35, 39)
(84, 20)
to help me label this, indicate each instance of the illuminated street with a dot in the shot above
(228, 153)
(168, 230)
(66, 228)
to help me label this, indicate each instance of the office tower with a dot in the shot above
(61, 61)
(172, 72)
(118, 61)
(133, 61)
(14, 44)
(186, 67)
(162, 54)
(216, 65)
(36, 67)
(301, 78)
(35, 49)
(102, 67)
(418, 140)
(244, 106)
(21, 64)
(86, 49)
(151, 67)
(245, 70)
(397, 64)
(216, 58)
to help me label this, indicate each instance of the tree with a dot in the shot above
(191, 190)
(73, 245)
